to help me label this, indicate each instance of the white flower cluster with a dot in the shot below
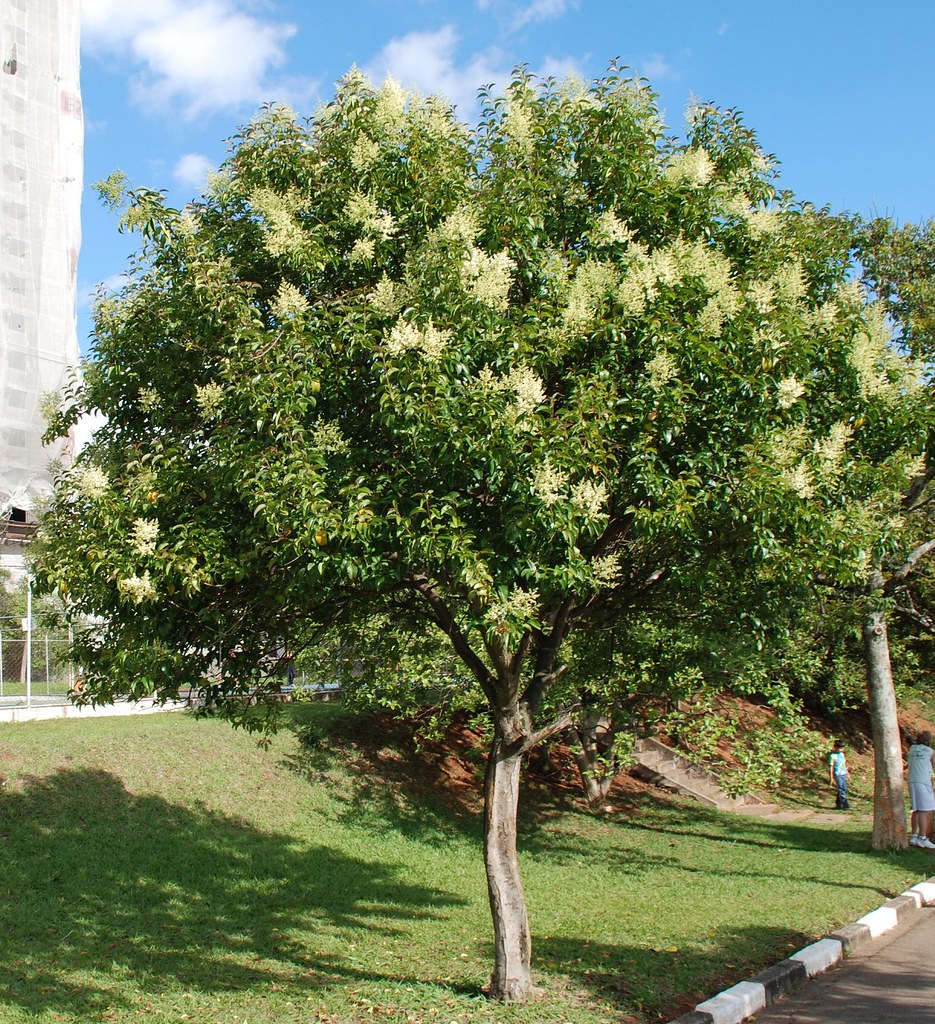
(851, 294)
(363, 211)
(881, 371)
(435, 117)
(672, 265)
(517, 127)
(217, 184)
(143, 536)
(822, 317)
(406, 336)
(387, 297)
(364, 153)
(592, 284)
(606, 570)
(488, 277)
(716, 274)
(798, 479)
(610, 230)
(283, 235)
(661, 368)
(692, 167)
(362, 251)
(831, 450)
(137, 588)
(548, 483)
(91, 482)
(637, 290)
(519, 606)
(208, 398)
(390, 110)
(187, 224)
(762, 294)
(528, 388)
(589, 497)
(760, 221)
(148, 399)
(786, 446)
(789, 392)
(574, 89)
(290, 302)
(460, 226)
(790, 281)
(763, 222)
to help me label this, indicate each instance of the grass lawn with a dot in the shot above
(165, 869)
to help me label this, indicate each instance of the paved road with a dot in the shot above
(890, 981)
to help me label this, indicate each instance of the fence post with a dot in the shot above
(27, 637)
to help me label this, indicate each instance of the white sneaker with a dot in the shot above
(913, 840)
(925, 843)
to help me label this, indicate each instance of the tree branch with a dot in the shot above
(558, 725)
(444, 619)
(545, 673)
(917, 485)
(897, 578)
(914, 615)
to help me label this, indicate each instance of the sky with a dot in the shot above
(840, 92)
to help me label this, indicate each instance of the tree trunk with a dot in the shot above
(512, 973)
(889, 808)
(593, 737)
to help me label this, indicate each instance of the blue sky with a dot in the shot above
(840, 92)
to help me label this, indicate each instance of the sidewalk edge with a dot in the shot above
(741, 1001)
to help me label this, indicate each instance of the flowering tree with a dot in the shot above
(505, 380)
(897, 265)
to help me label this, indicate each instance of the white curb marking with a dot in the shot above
(735, 1003)
(819, 956)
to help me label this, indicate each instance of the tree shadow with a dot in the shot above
(658, 982)
(429, 795)
(97, 881)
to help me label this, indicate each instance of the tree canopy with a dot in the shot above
(507, 381)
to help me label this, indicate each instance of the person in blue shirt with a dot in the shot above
(838, 766)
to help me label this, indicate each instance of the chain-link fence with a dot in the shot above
(34, 668)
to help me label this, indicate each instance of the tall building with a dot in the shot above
(41, 141)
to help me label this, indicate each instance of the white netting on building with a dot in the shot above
(41, 139)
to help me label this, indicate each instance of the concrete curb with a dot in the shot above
(749, 997)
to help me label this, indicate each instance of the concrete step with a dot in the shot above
(665, 767)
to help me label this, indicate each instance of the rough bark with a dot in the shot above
(889, 809)
(592, 739)
(512, 974)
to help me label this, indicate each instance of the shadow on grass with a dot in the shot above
(95, 881)
(661, 981)
(428, 797)
(425, 795)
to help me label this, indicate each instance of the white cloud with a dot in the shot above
(200, 55)
(192, 170)
(654, 67)
(88, 291)
(515, 15)
(559, 68)
(426, 62)
(540, 10)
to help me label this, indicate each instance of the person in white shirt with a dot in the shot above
(921, 796)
